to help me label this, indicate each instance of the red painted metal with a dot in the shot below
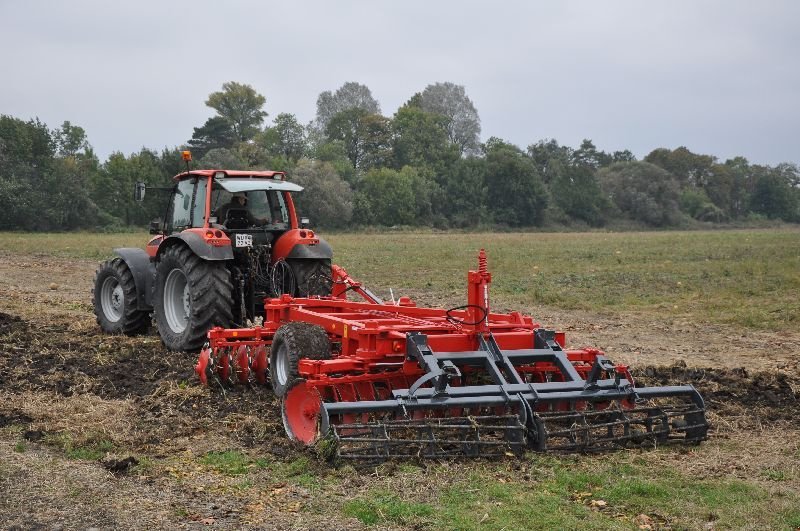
(301, 411)
(292, 237)
(368, 341)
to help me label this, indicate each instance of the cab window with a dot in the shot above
(198, 213)
(181, 204)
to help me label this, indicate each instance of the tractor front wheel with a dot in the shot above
(192, 296)
(115, 300)
(292, 342)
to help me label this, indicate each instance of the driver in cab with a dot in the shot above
(235, 214)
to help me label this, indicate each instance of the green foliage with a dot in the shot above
(386, 507)
(465, 193)
(421, 140)
(366, 137)
(577, 192)
(696, 203)
(394, 197)
(517, 196)
(349, 96)
(230, 463)
(774, 196)
(422, 167)
(286, 138)
(642, 191)
(241, 106)
(687, 167)
(335, 153)
(222, 158)
(326, 199)
(460, 118)
(216, 133)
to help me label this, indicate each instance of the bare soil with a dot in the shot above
(65, 387)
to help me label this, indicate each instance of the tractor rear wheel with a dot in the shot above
(192, 295)
(293, 342)
(313, 277)
(116, 301)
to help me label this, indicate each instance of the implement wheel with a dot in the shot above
(293, 342)
(300, 411)
(115, 300)
(192, 295)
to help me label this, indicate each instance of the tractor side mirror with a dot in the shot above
(138, 191)
(155, 226)
(304, 223)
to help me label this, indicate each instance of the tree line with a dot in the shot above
(423, 166)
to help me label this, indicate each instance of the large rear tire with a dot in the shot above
(192, 295)
(116, 301)
(313, 277)
(292, 342)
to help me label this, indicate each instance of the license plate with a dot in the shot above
(244, 240)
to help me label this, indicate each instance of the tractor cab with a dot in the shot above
(229, 240)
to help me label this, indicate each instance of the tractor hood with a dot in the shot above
(233, 185)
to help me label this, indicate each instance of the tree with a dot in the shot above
(577, 192)
(421, 139)
(465, 193)
(326, 199)
(349, 96)
(642, 192)
(377, 141)
(588, 155)
(216, 133)
(240, 105)
(689, 168)
(221, 158)
(462, 123)
(550, 158)
(286, 138)
(366, 137)
(774, 196)
(70, 139)
(394, 197)
(517, 196)
(346, 127)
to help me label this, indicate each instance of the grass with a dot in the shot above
(746, 278)
(387, 507)
(88, 448)
(584, 492)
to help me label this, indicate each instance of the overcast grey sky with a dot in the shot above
(720, 77)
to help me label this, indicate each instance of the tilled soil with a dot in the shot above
(65, 386)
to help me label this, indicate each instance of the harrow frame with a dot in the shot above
(443, 379)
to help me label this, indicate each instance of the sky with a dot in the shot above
(719, 77)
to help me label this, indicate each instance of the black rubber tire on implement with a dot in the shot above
(313, 277)
(293, 342)
(115, 300)
(192, 295)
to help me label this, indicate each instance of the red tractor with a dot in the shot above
(229, 240)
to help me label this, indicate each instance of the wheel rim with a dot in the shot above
(112, 299)
(300, 412)
(282, 365)
(177, 302)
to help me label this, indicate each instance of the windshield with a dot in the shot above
(266, 205)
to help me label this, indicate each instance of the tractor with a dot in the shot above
(212, 260)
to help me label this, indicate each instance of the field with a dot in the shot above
(114, 432)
